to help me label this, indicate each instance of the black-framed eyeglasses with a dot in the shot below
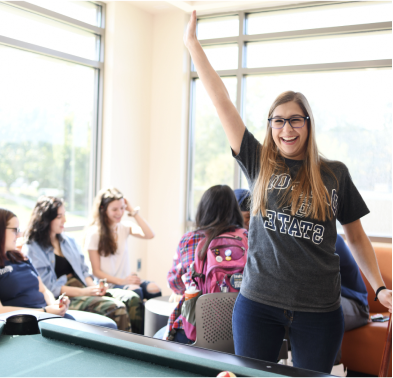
(296, 122)
(16, 230)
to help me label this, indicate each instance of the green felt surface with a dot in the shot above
(184, 362)
(37, 356)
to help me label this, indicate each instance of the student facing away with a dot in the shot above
(217, 213)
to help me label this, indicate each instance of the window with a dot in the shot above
(322, 49)
(314, 17)
(344, 70)
(222, 57)
(213, 162)
(39, 30)
(218, 27)
(49, 105)
(85, 11)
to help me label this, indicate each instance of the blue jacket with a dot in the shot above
(43, 260)
(352, 284)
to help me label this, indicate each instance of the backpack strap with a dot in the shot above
(196, 274)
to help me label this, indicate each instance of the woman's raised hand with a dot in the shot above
(190, 34)
(128, 206)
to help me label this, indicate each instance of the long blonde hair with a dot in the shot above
(309, 186)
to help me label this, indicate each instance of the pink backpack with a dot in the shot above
(222, 268)
(220, 271)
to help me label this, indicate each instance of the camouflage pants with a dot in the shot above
(123, 306)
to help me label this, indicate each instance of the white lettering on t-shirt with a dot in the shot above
(304, 209)
(318, 233)
(284, 219)
(306, 226)
(294, 228)
(334, 201)
(270, 223)
(298, 228)
(279, 181)
(289, 224)
(7, 269)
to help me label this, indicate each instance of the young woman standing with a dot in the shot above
(292, 275)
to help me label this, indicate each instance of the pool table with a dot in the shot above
(40, 344)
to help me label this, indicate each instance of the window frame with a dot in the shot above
(96, 137)
(242, 72)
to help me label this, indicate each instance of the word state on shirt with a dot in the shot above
(292, 225)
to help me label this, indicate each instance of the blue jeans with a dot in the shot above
(258, 331)
(180, 336)
(90, 318)
(141, 291)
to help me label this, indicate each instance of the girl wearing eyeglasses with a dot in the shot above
(292, 276)
(21, 287)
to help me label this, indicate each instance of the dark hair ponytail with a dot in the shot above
(14, 256)
(218, 212)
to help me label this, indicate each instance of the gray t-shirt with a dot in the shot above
(291, 261)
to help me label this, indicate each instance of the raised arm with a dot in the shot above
(229, 116)
(146, 231)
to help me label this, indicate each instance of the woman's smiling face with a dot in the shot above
(115, 211)
(291, 142)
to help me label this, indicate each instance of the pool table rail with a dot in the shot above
(160, 352)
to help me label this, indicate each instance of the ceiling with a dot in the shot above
(207, 7)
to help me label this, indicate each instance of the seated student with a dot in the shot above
(21, 287)
(217, 213)
(106, 241)
(353, 290)
(60, 263)
(243, 199)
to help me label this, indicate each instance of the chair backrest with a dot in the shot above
(384, 257)
(213, 314)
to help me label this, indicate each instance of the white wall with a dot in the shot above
(145, 123)
(168, 142)
(126, 116)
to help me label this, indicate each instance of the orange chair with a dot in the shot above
(363, 347)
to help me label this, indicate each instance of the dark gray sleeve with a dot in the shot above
(351, 205)
(248, 157)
